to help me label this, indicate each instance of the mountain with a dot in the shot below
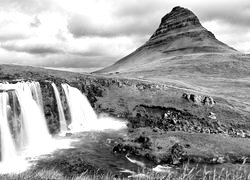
(180, 34)
(183, 54)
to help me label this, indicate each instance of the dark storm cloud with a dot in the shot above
(35, 49)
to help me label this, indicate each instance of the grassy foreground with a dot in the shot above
(185, 173)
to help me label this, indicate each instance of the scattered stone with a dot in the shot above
(68, 134)
(186, 96)
(212, 115)
(160, 168)
(139, 176)
(109, 141)
(221, 160)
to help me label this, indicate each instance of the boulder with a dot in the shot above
(208, 101)
(197, 99)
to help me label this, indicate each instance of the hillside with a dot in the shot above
(180, 34)
(184, 54)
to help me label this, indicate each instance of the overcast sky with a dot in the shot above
(96, 33)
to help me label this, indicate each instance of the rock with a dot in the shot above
(160, 168)
(177, 152)
(195, 98)
(212, 115)
(110, 141)
(208, 101)
(221, 160)
(68, 134)
(139, 176)
(186, 96)
(144, 141)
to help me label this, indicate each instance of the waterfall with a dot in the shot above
(63, 124)
(83, 116)
(23, 127)
(36, 93)
(33, 133)
(36, 131)
(8, 151)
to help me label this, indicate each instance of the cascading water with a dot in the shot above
(36, 93)
(83, 116)
(8, 151)
(80, 110)
(36, 131)
(23, 127)
(28, 134)
(63, 124)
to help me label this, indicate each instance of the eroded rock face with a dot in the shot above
(171, 119)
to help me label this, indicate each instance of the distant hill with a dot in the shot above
(181, 37)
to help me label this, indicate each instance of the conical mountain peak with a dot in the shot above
(178, 18)
(180, 33)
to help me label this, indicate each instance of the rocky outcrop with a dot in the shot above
(171, 119)
(199, 100)
(176, 148)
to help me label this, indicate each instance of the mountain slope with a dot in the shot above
(183, 54)
(180, 33)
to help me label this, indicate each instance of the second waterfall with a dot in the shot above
(83, 116)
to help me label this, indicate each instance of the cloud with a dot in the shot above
(12, 36)
(96, 33)
(27, 6)
(81, 26)
(36, 22)
(32, 49)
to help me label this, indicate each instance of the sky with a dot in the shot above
(91, 34)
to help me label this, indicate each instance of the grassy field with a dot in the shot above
(185, 173)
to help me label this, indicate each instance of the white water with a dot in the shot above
(63, 124)
(8, 151)
(83, 116)
(36, 131)
(36, 93)
(34, 136)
